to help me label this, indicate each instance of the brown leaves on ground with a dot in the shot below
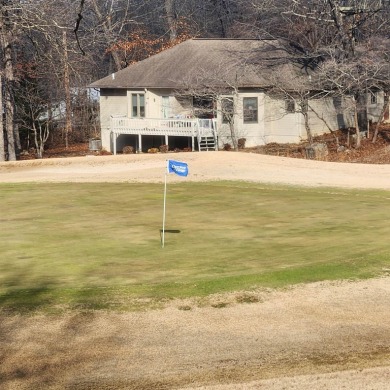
(61, 151)
(340, 148)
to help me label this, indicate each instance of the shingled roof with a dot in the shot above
(219, 60)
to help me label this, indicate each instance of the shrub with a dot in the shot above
(241, 143)
(128, 150)
(227, 147)
(163, 148)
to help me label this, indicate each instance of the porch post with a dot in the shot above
(193, 137)
(139, 143)
(166, 140)
(114, 138)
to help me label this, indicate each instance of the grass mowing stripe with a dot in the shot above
(60, 241)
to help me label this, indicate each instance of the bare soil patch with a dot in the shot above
(328, 335)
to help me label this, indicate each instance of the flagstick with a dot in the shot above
(165, 201)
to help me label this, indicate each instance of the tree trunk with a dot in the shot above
(17, 137)
(304, 105)
(41, 138)
(362, 111)
(347, 42)
(357, 129)
(2, 144)
(8, 86)
(307, 128)
(233, 135)
(9, 117)
(107, 28)
(68, 113)
(223, 12)
(171, 18)
(36, 141)
(233, 122)
(381, 116)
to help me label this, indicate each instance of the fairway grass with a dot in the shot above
(98, 246)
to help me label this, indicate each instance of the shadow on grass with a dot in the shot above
(51, 299)
(27, 300)
(170, 231)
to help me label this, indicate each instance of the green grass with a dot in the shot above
(99, 245)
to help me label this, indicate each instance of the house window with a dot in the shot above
(166, 109)
(374, 98)
(204, 107)
(227, 109)
(290, 106)
(138, 105)
(250, 109)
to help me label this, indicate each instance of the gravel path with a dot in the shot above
(328, 335)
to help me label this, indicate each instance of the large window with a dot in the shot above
(204, 107)
(290, 106)
(250, 110)
(138, 105)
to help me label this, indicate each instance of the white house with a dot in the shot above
(182, 97)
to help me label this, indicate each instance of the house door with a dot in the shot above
(166, 110)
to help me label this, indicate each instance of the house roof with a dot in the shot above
(238, 62)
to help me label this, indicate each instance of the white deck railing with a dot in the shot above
(178, 127)
(162, 127)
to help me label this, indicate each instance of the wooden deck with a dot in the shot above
(195, 128)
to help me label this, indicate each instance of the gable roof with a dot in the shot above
(220, 61)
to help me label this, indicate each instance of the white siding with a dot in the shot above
(280, 126)
(154, 104)
(283, 127)
(323, 115)
(374, 110)
(110, 105)
(181, 107)
(252, 132)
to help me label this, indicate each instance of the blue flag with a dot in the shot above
(177, 167)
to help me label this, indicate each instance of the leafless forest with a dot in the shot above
(51, 50)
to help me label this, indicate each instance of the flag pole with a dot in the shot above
(165, 201)
(181, 169)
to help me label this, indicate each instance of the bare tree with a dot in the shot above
(297, 90)
(353, 80)
(60, 65)
(105, 18)
(6, 40)
(35, 117)
(216, 94)
(340, 30)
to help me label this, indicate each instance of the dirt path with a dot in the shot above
(203, 166)
(317, 336)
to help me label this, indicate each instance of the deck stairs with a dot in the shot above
(207, 143)
(207, 135)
